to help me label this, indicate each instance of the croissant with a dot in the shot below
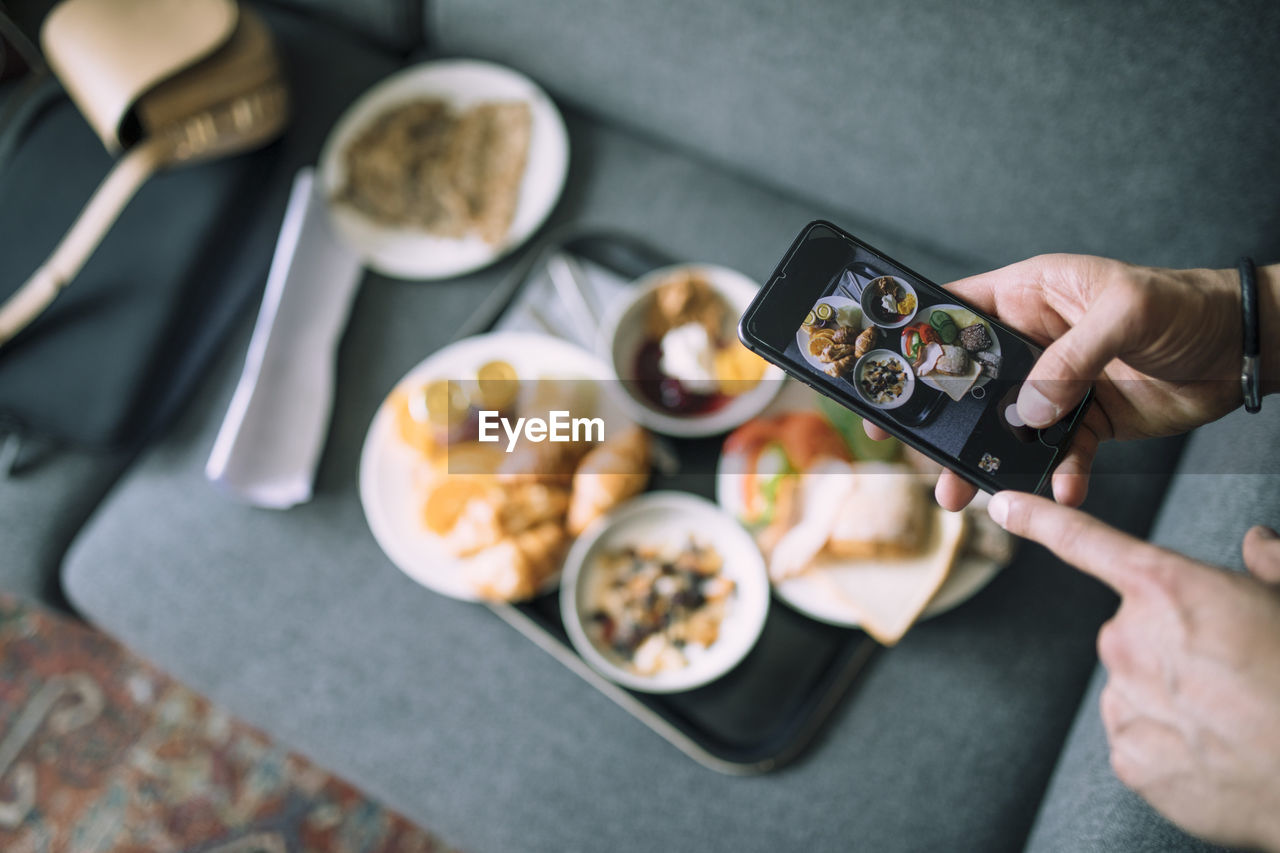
(607, 476)
(483, 514)
(835, 352)
(551, 463)
(516, 568)
(865, 342)
(529, 505)
(841, 366)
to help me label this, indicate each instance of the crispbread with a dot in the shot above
(488, 155)
(423, 164)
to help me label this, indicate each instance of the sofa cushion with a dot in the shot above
(298, 622)
(392, 24)
(1145, 131)
(45, 497)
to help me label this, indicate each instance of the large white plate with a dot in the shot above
(390, 470)
(414, 254)
(954, 309)
(813, 596)
(802, 337)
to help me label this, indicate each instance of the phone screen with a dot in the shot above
(906, 354)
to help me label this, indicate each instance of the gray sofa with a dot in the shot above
(954, 138)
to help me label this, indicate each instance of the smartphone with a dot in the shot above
(932, 370)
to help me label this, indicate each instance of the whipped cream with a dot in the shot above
(689, 358)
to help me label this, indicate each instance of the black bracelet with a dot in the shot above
(1250, 382)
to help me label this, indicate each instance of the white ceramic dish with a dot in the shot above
(622, 333)
(812, 596)
(994, 349)
(414, 254)
(391, 471)
(802, 337)
(670, 518)
(871, 315)
(908, 381)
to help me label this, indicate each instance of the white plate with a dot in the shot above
(951, 308)
(813, 597)
(802, 337)
(414, 254)
(390, 470)
(669, 519)
(621, 336)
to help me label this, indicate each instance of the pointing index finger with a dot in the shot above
(1115, 558)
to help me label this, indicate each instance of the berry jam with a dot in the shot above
(667, 394)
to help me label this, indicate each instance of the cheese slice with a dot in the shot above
(956, 387)
(888, 596)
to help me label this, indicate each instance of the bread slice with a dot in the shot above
(888, 596)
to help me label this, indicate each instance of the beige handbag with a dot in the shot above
(162, 82)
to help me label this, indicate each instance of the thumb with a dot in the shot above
(1262, 554)
(1063, 373)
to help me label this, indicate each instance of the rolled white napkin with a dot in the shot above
(271, 439)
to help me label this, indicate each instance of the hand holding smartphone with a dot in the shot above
(906, 355)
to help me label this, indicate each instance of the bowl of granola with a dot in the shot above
(665, 594)
(884, 379)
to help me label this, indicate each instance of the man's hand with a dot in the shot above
(1192, 702)
(1161, 347)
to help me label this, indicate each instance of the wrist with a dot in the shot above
(1221, 323)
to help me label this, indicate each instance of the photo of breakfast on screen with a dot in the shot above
(900, 349)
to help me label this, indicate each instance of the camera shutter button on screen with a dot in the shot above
(1053, 436)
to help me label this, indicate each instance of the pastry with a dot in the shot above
(542, 462)
(607, 476)
(516, 567)
(865, 342)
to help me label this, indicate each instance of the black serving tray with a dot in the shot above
(769, 708)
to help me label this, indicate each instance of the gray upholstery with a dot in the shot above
(1217, 495)
(43, 502)
(1145, 131)
(298, 622)
(394, 24)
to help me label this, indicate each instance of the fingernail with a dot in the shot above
(998, 508)
(1266, 532)
(1035, 408)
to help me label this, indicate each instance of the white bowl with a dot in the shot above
(908, 382)
(622, 333)
(669, 519)
(870, 313)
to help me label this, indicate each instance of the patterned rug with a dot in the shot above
(101, 752)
